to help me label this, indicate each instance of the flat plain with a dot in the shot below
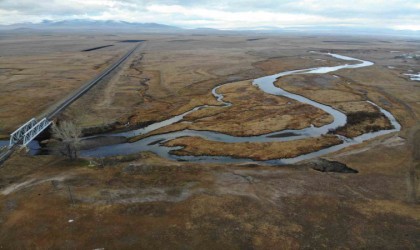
(144, 201)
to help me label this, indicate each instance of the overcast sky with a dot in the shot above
(222, 14)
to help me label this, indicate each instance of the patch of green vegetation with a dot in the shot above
(79, 162)
(114, 160)
(361, 116)
(174, 191)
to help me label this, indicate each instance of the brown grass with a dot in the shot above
(257, 151)
(145, 202)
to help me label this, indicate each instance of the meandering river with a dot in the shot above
(155, 143)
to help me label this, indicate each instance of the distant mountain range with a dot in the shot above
(91, 25)
(87, 25)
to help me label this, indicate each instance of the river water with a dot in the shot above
(155, 143)
(266, 84)
(33, 147)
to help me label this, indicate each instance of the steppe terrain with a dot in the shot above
(143, 201)
(37, 72)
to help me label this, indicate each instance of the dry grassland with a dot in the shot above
(257, 151)
(142, 201)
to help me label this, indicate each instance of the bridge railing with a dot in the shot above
(20, 132)
(35, 131)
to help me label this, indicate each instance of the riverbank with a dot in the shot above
(146, 200)
(266, 84)
(251, 112)
(258, 151)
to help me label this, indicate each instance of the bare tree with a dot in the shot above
(68, 133)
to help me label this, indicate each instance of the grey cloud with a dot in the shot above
(335, 8)
(372, 11)
(52, 7)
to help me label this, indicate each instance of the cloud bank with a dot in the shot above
(233, 14)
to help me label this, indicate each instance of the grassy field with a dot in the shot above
(142, 201)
